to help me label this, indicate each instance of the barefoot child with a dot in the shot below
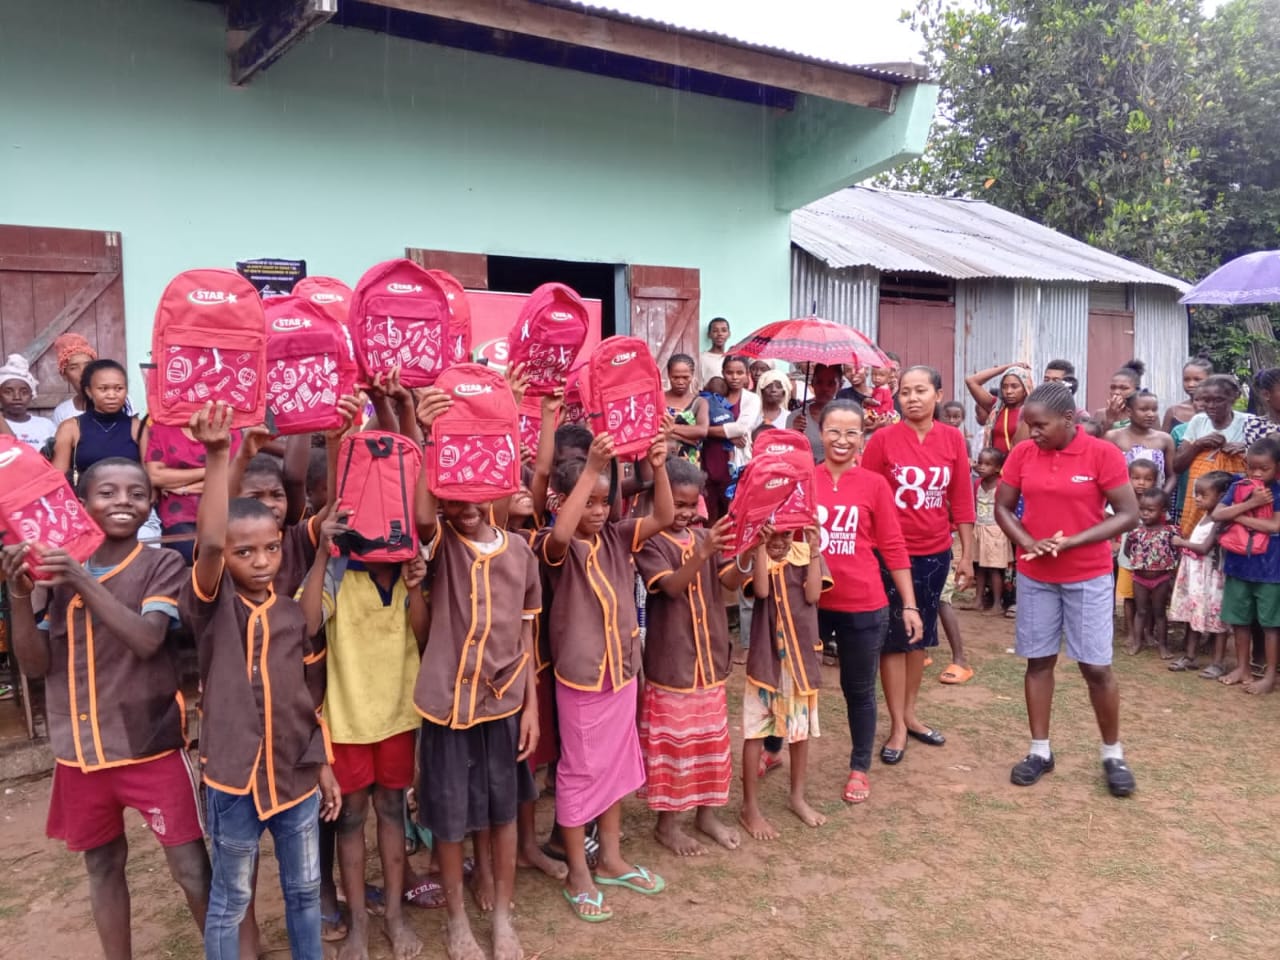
(1151, 550)
(113, 704)
(783, 670)
(1252, 591)
(478, 700)
(992, 550)
(684, 715)
(595, 652)
(264, 752)
(1197, 590)
(376, 618)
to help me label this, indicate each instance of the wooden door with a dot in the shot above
(53, 282)
(664, 310)
(921, 332)
(1110, 348)
(470, 269)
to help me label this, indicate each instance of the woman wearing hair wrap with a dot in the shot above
(17, 390)
(1215, 440)
(1002, 424)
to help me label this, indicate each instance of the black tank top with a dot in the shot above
(105, 435)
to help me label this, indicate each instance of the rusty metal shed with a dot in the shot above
(962, 285)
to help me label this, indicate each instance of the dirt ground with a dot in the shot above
(946, 860)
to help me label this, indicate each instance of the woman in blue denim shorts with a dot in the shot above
(1066, 479)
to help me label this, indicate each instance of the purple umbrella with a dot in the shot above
(1253, 278)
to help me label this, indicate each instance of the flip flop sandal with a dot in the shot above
(375, 900)
(656, 883)
(1213, 671)
(579, 900)
(427, 895)
(337, 928)
(858, 788)
(768, 763)
(955, 674)
(1183, 664)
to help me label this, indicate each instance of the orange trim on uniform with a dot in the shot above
(182, 716)
(324, 734)
(311, 658)
(77, 603)
(546, 541)
(131, 761)
(200, 595)
(258, 616)
(157, 599)
(313, 530)
(789, 635)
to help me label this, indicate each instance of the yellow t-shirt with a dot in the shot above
(372, 660)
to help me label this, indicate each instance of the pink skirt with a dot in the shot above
(685, 741)
(600, 760)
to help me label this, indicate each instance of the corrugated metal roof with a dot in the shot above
(963, 239)
(691, 25)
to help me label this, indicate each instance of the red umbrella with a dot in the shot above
(811, 340)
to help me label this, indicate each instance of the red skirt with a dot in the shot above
(685, 741)
(548, 749)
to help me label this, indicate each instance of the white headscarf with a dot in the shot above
(775, 376)
(17, 368)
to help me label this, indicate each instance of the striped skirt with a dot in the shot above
(685, 741)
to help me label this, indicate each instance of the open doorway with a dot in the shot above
(593, 281)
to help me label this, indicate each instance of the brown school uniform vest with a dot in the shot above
(786, 616)
(474, 667)
(106, 705)
(687, 640)
(297, 554)
(259, 732)
(541, 637)
(593, 624)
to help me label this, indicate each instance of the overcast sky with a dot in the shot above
(847, 31)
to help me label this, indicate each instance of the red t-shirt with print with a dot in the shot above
(858, 520)
(1066, 490)
(929, 480)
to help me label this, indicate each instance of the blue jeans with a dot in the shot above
(235, 830)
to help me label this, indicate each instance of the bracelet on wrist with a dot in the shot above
(906, 608)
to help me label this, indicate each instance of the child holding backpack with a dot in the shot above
(265, 754)
(1252, 591)
(595, 652)
(684, 715)
(476, 692)
(786, 580)
(114, 708)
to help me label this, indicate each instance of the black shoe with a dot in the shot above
(932, 737)
(1120, 779)
(891, 756)
(1030, 769)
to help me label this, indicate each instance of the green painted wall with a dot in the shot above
(119, 116)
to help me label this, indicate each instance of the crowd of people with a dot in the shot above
(431, 694)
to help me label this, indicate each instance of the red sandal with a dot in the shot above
(858, 788)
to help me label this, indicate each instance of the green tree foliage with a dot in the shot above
(1140, 126)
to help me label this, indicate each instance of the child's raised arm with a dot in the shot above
(551, 404)
(598, 457)
(30, 643)
(252, 442)
(414, 573)
(311, 596)
(432, 402)
(675, 584)
(211, 427)
(760, 565)
(297, 456)
(664, 509)
(816, 572)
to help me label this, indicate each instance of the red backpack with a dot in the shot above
(38, 505)
(473, 455)
(774, 488)
(548, 334)
(400, 318)
(575, 390)
(328, 293)
(310, 364)
(1238, 538)
(459, 316)
(208, 343)
(530, 426)
(623, 395)
(377, 474)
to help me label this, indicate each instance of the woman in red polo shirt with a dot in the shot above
(927, 467)
(858, 519)
(1066, 479)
